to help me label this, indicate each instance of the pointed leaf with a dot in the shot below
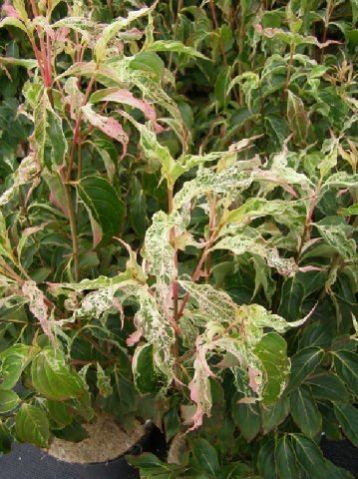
(347, 415)
(305, 413)
(53, 378)
(308, 455)
(13, 362)
(174, 46)
(104, 204)
(247, 418)
(346, 366)
(304, 363)
(272, 351)
(285, 459)
(32, 426)
(327, 386)
(8, 401)
(206, 457)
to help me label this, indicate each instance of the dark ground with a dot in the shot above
(27, 462)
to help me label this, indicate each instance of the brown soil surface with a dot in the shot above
(106, 441)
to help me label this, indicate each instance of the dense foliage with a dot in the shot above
(178, 205)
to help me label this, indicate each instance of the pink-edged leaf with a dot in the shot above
(199, 386)
(134, 338)
(254, 374)
(38, 306)
(9, 10)
(96, 232)
(108, 125)
(56, 202)
(127, 98)
(292, 38)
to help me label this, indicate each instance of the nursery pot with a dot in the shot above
(28, 462)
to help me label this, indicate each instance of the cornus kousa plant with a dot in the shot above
(178, 229)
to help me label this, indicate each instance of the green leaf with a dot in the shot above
(159, 154)
(292, 294)
(328, 386)
(308, 455)
(350, 211)
(138, 209)
(305, 413)
(221, 86)
(247, 418)
(103, 383)
(146, 377)
(346, 366)
(53, 378)
(347, 415)
(56, 143)
(73, 432)
(297, 116)
(304, 363)
(13, 361)
(152, 467)
(8, 401)
(106, 208)
(59, 413)
(32, 426)
(273, 416)
(266, 460)
(13, 22)
(50, 144)
(172, 423)
(285, 459)
(335, 232)
(148, 63)
(100, 51)
(272, 351)
(174, 46)
(5, 440)
(205, 457)
(8, 61)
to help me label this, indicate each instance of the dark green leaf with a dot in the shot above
(292, 295)
(275, 414)
(171, 423)
(146, 377)
(266, 460)
(328, 386)
(74, 432)
(285, 459)
(247, 418)
(347, 415)
(105, 206)
(59, 413)
(304, 363)
(308, 455)
(305, 412)
(346, 365)
(206, 457)
(5, 440)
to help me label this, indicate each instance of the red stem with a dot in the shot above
(34, 8)
(76, 133)
(197, 273)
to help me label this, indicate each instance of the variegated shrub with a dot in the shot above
(178, 228)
